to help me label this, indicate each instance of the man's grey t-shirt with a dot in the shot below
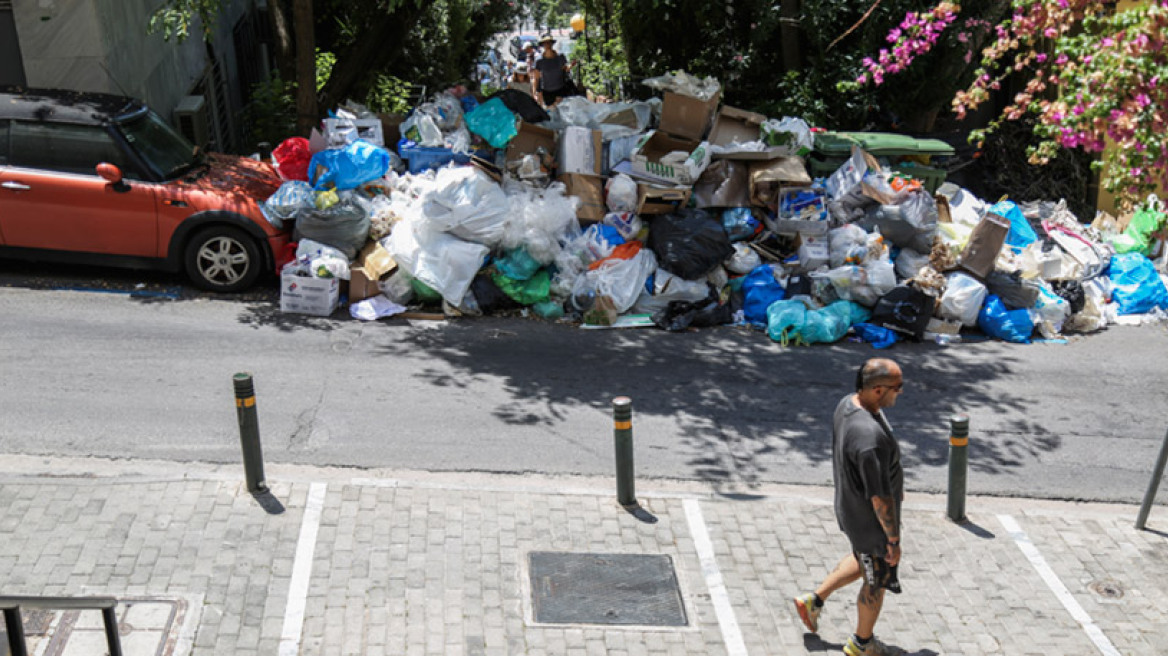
(866, 464)
(551, 72)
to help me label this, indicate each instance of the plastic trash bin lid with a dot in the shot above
(878, 144)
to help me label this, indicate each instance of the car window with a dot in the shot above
(3, 142)
(66, 148)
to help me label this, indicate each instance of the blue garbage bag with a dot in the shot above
(348, 167)
(785, 319)
(760, 289)
(878, 336)
(1021, 234)
(494, 122)
(1008, 325)
(1137, 286)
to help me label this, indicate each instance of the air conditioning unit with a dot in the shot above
(190, 117)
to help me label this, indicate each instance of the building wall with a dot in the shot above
(60, 45)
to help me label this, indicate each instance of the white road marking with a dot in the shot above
(727, 622)
(1056, 586)
(302, 571)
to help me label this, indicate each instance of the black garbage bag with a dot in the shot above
(488, 295)
(1015, 292)
(522, 104)
(689, 243)
(1072, 292)
(344, 226)
(906, 310)
(679, 315)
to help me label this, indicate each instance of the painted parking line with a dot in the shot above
(1056, 586)
(302, 571)
(727, 622)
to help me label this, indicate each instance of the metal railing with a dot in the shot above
(15, 626)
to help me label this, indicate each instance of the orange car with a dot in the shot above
(102, 179)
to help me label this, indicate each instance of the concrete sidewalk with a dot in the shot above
(380, 562)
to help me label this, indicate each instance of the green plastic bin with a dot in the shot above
(833, 148)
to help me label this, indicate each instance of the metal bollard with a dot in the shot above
(1153, 485)
(249, 433)
(622, 432)
(958, 463)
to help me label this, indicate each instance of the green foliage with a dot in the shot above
(175, 18)
(603, 67)
(271, 114)
(389, 95)
(325, 61)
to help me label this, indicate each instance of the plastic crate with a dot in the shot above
(420, 159)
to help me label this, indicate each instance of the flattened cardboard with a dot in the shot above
(375, 260)
(734, 125)
(686, 117)
(661, 200)
(767, 177)
(590, 190)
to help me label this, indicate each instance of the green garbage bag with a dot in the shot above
(424, 292)
(1137, 238)
(525, 292)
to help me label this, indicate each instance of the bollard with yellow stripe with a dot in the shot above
(622, 431)
(249, 433)
(958, 465)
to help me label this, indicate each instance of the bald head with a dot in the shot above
(877, 371)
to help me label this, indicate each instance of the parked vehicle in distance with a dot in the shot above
(102, 179)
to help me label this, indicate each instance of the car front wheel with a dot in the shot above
(222, 259)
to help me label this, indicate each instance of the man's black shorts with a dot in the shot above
(878, 573)
(550, 97)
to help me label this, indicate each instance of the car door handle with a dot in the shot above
(15, 186)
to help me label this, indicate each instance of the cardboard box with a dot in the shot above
(661, 200)
(734, 125)
(362, 284)
(813, 251)
(529, 139)
(368, 129)
(654, 145)
(376, 260)
(768, 178)
(315, 296)
(581, 151)
(686, 117)
(590, 190)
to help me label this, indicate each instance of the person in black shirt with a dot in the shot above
(550, 75)
(869, 490)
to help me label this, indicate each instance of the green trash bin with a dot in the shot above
(833, 148)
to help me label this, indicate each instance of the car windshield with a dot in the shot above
(163, 147)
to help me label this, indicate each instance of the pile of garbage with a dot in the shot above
(678, 213)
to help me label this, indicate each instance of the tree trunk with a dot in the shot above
(284, 48)
(789, 32)
(350, 76)
(307, 114)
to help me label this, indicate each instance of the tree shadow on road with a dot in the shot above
(741, 399)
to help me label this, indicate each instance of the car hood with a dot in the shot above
(233, 175)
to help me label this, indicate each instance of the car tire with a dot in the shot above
(222, 259)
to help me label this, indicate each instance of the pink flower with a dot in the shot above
(1107, 42)
(1143, 100)
(968, 56)
(1040, 57)
(1061, 60)
(1050, 33)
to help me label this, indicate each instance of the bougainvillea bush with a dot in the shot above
(1095, 76)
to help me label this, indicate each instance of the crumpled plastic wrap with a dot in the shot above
(685, 84)
(467, 203)
(290, 198)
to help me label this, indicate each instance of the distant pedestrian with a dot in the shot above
(521, 79)
(550, 75)
(869, 490)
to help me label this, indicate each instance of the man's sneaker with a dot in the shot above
(874, 648)
(808, 611)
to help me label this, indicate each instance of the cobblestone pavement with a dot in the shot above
(348, 561)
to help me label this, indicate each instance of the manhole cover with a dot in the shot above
(1106, 589)
(589, 588)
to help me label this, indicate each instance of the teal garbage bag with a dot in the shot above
(1021, 234)
(517, 264)
(760, 289)
(791, 321)
(1137, 287)
(494, 122)
(1007, 325)
(348, 167)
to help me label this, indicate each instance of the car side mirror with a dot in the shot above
(113, 175)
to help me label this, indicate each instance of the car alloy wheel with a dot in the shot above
(223, 259)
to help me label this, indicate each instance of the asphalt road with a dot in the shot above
(149, 376)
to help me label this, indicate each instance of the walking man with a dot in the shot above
(869, 490)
